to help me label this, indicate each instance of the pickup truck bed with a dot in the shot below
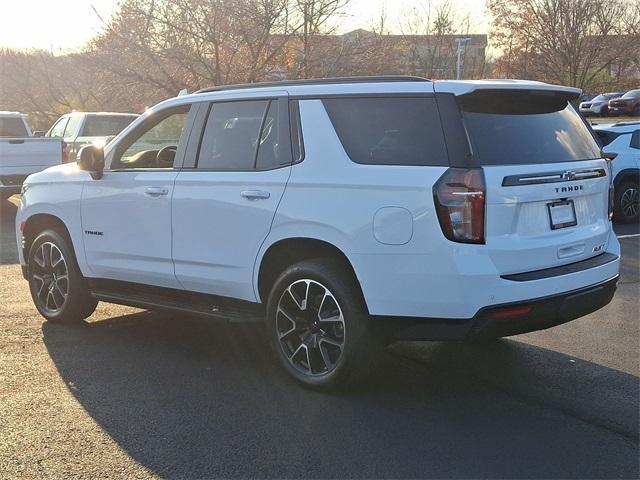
(20, 157)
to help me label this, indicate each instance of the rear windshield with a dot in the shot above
(104, 126)
(389, 130)
(508, 128)
(12, 127)
(606, 137)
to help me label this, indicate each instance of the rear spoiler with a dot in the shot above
(468, 87)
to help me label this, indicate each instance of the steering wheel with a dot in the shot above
(166, 156)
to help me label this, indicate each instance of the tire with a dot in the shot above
(636, 111)
(320, 354)
(58, 289)
(626, 202)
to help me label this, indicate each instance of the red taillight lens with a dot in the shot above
(459, 196)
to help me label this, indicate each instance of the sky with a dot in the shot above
(66, 25)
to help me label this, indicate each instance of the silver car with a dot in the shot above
(598, 105)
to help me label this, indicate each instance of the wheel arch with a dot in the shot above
(627, 174)
(37, 223)
(287, 251)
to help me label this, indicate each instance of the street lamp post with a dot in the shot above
(461, 42)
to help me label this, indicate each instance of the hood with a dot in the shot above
(59, 173)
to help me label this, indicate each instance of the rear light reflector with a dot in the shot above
(459, 197)
(511, 312)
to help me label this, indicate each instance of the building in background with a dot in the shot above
(362, 52)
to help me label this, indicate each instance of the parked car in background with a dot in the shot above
(627, 104)
(83, 128)
(623, 139)
(21, 154)
(599, 105)
(346, 211)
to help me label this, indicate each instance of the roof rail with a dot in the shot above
(318, 81)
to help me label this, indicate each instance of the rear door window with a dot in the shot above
(12, 127)
(73, 125)
(389, 130)
(510, 128)
(245, 135)
(635, 140)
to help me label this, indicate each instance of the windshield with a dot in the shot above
(104, 126)
(632, 94)
(526, 128)
(604, 97)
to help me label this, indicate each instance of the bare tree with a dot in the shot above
(575, 42)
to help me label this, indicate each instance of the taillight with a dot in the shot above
(459, 196)
(610, 203)
(610, 157)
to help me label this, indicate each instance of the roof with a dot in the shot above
(110, 114)
(11, 114)
(620, 127)
(356, 86)
(317, 81)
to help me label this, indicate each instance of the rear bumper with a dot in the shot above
(505, 319)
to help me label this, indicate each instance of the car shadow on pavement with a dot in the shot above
(191, 398)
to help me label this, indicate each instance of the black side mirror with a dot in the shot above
(39, 133)
(609, 155)
(91, 159)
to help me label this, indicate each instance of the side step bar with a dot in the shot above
(167, 299)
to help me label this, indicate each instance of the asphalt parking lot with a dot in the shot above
(139, 394)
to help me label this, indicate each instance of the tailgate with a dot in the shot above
(547, 185)
(540, 217)
(30, 152)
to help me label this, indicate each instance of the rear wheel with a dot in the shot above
(319, 325)
(627, 202)
(57, 286)
(636, 111)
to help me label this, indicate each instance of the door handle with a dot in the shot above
(156, 191)
(255, 194)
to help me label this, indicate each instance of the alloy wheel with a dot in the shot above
(630, 202)
(310, 327)
(50, 277)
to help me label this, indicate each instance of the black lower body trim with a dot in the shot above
(575, 267)
(502, 320)
(161, 298)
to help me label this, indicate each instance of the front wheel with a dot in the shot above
(319, 325)
(627, 202)
(57, 286)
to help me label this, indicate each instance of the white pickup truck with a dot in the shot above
(22, 154)
(85, 128)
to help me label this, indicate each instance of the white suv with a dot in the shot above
(348, 212)
(623, 139)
